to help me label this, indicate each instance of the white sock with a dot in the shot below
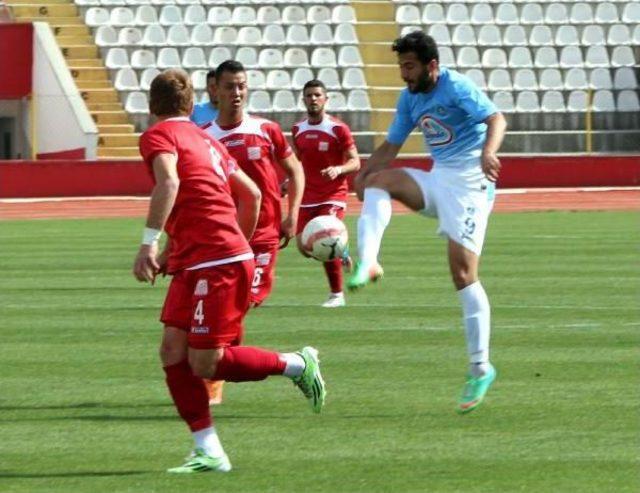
(374, 218)
(208, 440)
(476, 312)
(295, 364)
(336, 295)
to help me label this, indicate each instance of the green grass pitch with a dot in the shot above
(83, 405)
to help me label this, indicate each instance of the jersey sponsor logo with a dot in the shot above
(435, 131)
(199, 330)
(310, 136)
(323, 146)
(202, 288)
(263, 259)
(234, 143)
(253, 153)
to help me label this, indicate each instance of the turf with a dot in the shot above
(83, 405)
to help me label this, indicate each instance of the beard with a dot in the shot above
(424, 84)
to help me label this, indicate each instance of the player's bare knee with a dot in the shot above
(462, 277)
(173, 347)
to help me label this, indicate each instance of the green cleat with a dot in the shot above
(474, 391)
(310, 382)
(363, 276)
(201, 462)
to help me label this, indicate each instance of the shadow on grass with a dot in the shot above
(85, 405)
(79, 474)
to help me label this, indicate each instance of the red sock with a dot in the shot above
(189, 395)
(333, 268)
(246, 363)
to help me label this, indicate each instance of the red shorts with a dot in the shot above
(210, 304)
(264, 273)
(306, 214)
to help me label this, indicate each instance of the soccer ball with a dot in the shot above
(325, 238)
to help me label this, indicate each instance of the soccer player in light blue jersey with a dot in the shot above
(463, 130)
(206, 111)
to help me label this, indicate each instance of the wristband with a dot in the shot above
(150, 236)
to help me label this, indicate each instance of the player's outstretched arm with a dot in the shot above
(381, 159)
(496, 128)
(293, 169)
(247, 196)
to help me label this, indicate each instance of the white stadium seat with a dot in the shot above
(625, 78)
(121, 17)
(506, 14)
(146, 15)
(250, 35)
(321, 34)
(178, 35)
(567, 36)
(468, 56)
(147, 77)
(619, 34)
(336, 101)
(268, 14)
(247, 56)
(195, 14)
(581, 13)
(571, 56)
(345, 34)
(243, 15)
(225, 36)
(464, 35)
(219, 16)
(515, 35)
(343, 13)
(622, 56)
(447, 58)
(137, 103)
(284, 100)
(489, 35)
(631, 13)
(278, 79)
(525, 80)
(532, 14)
(577, 101)
(194, 57)
(126, 80)
(116, 58)
(556, 13)
(408, 14)
(551, 79)
(170, 15)
(600, 79)
(546, 57)
(297, 34)
(296, 57)
(154, 35)
(294, 14)
(106, 36)
(96, 16)
(606, 13)
(323, 57)
(129, 36)
(494, 58)
(504, 101)
(477, 76)
(329, 76)
(318, 14)
(300, 77)
(349, 56)
(603, 101)
(273, 35)
(199, 79)
(520, 57)
(354, 78)
(259, 102)
(201, 35)
(635, 37)
(597, 56)
(168, 58)
(593, 35)
(440, 33)
(553, 102)
(218, 55)
(541, 35)
(141, 59)
(458, 13)
(433, 13)
(482, 14)
(628, 101)
(500, 80)
(527, 102)
(271, 58)
(256, 79)
(575, 78)
(358, 100)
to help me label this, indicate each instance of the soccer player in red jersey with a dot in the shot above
(328, 153)
(258, 146)
(197, 187)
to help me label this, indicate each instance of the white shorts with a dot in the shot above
(461, 199)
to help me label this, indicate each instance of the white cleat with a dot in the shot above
(335, 300)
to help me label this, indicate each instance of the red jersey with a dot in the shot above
(257, 145)
(318, 146)
(203, 225)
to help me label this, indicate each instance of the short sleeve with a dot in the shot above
(281, 147)
(471, 99)
(154, 142)
(345, 137)
(402, 123)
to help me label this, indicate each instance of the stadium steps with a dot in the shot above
(116, 133)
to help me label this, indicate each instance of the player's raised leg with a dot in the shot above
(476, 312)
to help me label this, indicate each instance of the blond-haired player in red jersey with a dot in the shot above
(328, 153)
(197, 187)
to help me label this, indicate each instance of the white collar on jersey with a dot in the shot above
(178, 119)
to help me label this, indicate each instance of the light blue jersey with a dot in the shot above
(203, 113)
(450, 116)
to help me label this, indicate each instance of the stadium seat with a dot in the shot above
(546, 57)
(199, 79)
(218, 55)
(552, 102)
(515, 35)
(619, 34)
(112, 3)
(520, 57)
(284, 100)
(408, 14)
(500, 80)
(96, 16)
(330, 78)
(494, 58)
(464, 35)
(225, 36)
(409, 29)
(201, 35)
(247, 56)
(622, 56)
(178, 35)
(541, 36)
(323, 57)
(353, 78)
(273, 35)
(567, 36)
(170, 15)
(256, 79)
(527, 102)
(219, 16)
(504, 101)
(458, 13)
(297, 34)
(635, 37)
(142, 59)
(126, 80)
(129, 36)
(506, 14)
(433, 13)
(321, 34)
(122, 17)
(278, 79)
(345, 34)
(631, 13)
(440, 33)
(600, 79)
(624, 78)
(296, 57)
(106, 36)
(489, 35)
(593, 35)
(294, 14)
(318, 14)
(531, 14)
(268, 14)
(525, 80)
(597, 56)
(271, 58)
(477, 76)
(300, 77)
(116, 58)
(581, 13)
(137, 103)
(249, 36)
(551, 79)
(447, 58)
(154, 35)
(343, 13)
(195, 14)
(575, 78)
(482, 14)
(147, 77)
(358, 100)
(556, 13)
(243, 15)
(577, 101)
(194, 57)
(468, 56)
(628, 101)
(259, 102)
(168, 58)
(349, 56)
(571, 56)
(606, 13)
(603, 101)
(336, 101)
(146, 15)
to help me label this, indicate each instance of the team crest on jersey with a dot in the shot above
(263, 259)
(435, 131)
(253, 153)
(323, 146)
(202, 288)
